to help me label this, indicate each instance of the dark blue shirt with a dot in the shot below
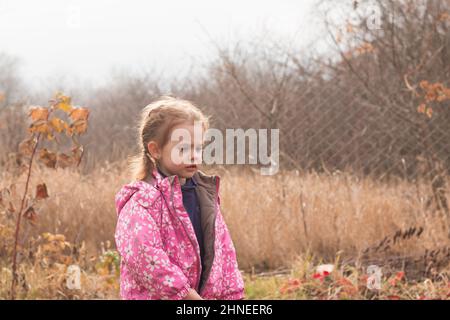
(192, 206)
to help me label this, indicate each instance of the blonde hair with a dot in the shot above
(156, 121)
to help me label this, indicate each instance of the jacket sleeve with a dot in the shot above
(233, 282)
(139, 243)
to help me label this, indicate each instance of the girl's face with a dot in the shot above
(182, 154)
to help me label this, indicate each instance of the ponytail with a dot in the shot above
(141, 166)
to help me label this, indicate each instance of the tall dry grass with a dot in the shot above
(273, 219)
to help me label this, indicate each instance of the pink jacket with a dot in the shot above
(160, 255)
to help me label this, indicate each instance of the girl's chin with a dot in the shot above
(189, 172)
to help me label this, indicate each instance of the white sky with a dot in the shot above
(51, 38)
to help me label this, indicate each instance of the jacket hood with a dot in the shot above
(126, 192)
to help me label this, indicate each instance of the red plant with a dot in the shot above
(291, 286)
(397, 278)
(347, 286)
(321, 275)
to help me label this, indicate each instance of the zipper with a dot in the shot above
(197, 282)
(214, 233)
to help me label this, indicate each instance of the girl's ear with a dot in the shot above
(154, 150)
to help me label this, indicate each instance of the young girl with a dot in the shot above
(172, 238)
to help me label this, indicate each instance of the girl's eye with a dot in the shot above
(183, 149)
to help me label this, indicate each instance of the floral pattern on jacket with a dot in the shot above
(160, 255)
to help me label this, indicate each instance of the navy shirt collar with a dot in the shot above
(190, 182)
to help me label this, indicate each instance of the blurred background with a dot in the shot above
(359, 91)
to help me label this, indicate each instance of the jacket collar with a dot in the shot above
(200, 178)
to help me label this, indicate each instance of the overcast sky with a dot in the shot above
(87, 38)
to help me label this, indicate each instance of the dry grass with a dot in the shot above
(273, 221)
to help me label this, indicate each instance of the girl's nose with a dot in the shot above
(196, 157)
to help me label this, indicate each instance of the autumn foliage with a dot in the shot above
(46, 125)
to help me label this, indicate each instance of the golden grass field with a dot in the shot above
(282, 226)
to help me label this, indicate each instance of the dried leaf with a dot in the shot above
(77, 154)
(31, 215)
(26, 147)
(48, 158)
(79, 126)
(41, 191)
(39, 126)
(46, 235)
(1, 198)
(59, 237)
(11, 207)
(64, 160)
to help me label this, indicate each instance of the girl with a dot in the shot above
(172, 238)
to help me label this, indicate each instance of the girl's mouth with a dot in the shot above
(192, 167)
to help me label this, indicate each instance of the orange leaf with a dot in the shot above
(431, 96)
(64, 106)
(50, 136)
(38, 113)
(444, 16)
(424, 85)
(58, 124)
(63, 102)
(429, 112)
(422, 108)
(79, 114)
(446, 92)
